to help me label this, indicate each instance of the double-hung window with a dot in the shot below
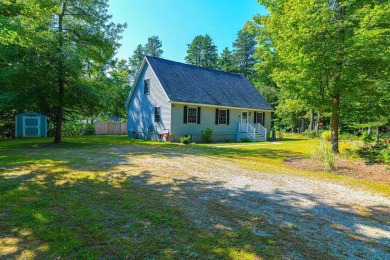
(192, 115)
(222, 117)
(146, 87)
(157, 115)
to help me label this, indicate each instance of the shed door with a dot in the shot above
(31, 126)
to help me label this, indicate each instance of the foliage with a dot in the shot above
(367, 137)
(244, 50)
(202, 52)
(153, 47)
(325, 155)
(59, 66)
(226, 61)
(184, 140)
(77, 128)
(245, 139)
(329, 55)
(308, 133)
(206, 135)
(280, 135)
(326, 135)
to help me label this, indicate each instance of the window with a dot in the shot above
(157, 115)
(192, 114)
(222, 117)
(146, 86)
(259, 118)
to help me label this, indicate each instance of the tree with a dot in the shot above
(323, 56)
(137, 57)
(226, 61)
(202, 52)
(244, 50)
(65, 50)
(153, 47)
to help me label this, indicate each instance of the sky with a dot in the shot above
(177, 22)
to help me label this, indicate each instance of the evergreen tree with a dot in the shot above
(202, 52)
(226, 61)
(244, 50)
(137, 57)
(153, 47)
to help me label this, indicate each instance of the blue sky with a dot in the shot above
(177, 22)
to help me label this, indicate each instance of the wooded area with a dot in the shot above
(317, 63)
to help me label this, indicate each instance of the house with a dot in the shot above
(171, 99)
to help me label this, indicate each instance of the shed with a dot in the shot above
(30, 124)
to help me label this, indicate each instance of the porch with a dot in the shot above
(255, 132)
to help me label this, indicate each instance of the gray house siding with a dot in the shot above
(141, 110)
(207, 119)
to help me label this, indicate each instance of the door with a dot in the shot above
(244, 117)
(31, 126)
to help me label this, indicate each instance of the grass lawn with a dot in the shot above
(73, 200)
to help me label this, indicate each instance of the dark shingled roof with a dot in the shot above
(191, 84)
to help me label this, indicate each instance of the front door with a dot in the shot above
(244, 117)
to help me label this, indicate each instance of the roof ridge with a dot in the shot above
(190, 65)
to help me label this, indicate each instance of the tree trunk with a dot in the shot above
(292, 129)
(318, 122)
(377, 136)
(311, 120)
(335, 123)
(61, 81)
(303, 121)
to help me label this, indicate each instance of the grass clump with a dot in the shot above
(184, 140)
(327, 135)
(325, 156)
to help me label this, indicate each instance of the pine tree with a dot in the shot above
(244, 50)
(153, 47)
(202, 52)
(226, 61)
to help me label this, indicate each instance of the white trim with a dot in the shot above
(219, 116)
(137, 77)
(196, 115)
(218, 106)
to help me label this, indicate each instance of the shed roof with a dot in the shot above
(192, 84)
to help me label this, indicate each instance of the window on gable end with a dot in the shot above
(157, 115)
(146, 86)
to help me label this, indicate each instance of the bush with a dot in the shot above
(280, 135)
(206, 135)
(325, 155)
(367, 137)
(76, 128)
(184, 140)
(245, 139)
(385, 156)
(327, 135)
(310, 134)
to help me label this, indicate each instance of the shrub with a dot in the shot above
(206, 135)
(280, 135)
(327, 135)
(89, 129)
(325, 155)
(385, 155)
(310, 134)
(245, 139)
(184, 140)
(367, 137)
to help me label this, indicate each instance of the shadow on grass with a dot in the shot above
(129, 215)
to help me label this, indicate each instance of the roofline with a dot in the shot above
(135, 83)
(196, 66)
(209, 105)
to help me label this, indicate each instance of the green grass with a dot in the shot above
(71, 200)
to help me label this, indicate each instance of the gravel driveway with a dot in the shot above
(309, 218)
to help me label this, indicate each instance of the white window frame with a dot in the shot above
(188, 115)
(159, 110)
(219, 116)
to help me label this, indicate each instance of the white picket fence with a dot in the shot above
(110, 128)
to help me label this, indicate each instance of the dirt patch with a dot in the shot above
(372, 172)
